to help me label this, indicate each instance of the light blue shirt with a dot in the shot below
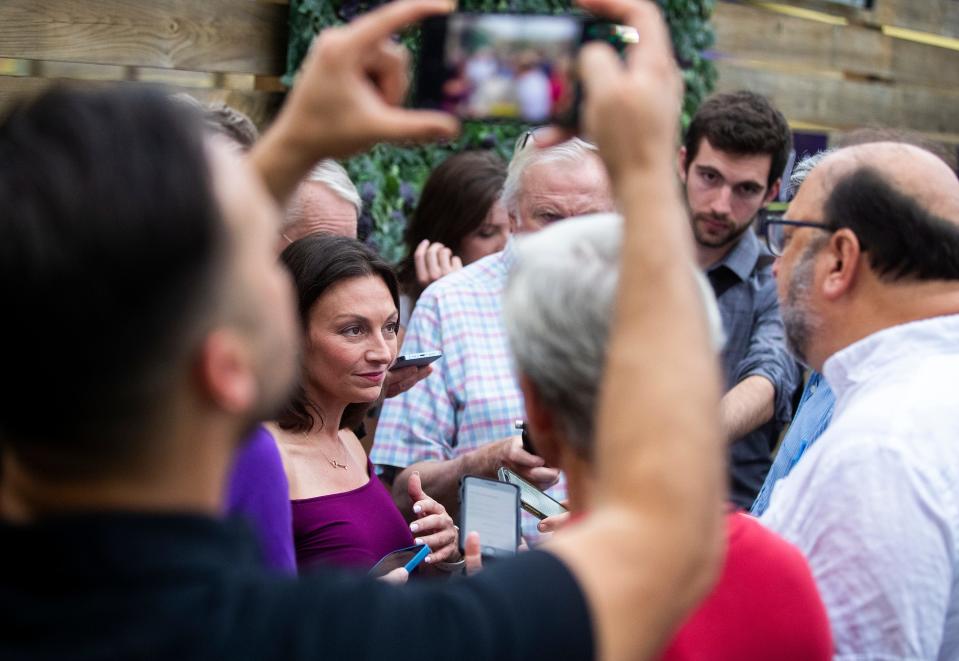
(810, 421)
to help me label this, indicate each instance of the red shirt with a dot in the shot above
(765, 605)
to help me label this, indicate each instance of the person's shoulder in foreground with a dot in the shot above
(185, 587)
(257, 491)
(765, 606)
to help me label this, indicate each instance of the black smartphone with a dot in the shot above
(490, 508)
(532, 499)
(514, 67)
(408, 558)
(523, 428)
(416, 359)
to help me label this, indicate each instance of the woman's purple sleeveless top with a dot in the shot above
(350, 529)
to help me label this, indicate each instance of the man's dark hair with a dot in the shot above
(742, 123)
(317, 262)
(902, 239)
(109, 243)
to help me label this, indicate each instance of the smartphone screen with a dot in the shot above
(534, 501)
(490, 508)
(499, 66)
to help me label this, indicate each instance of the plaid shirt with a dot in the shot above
(755, 345)
(472, 398)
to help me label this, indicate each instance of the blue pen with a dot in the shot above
(417, 559)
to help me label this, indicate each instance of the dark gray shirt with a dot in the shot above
(755, 345)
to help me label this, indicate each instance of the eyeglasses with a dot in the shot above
(527, 137)
(774, 231)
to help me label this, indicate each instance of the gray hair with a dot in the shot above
(557, 310)
(333, 175)
(527, 155)
(803, 168)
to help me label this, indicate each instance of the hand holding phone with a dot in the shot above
(516, 67)
(490, 508)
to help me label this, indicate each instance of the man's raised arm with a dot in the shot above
(651, 547)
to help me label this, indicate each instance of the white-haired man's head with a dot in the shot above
(557, 309)
(327, 201)
(548, 184)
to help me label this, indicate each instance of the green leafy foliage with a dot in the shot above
(390, 178)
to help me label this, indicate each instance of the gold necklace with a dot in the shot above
(333, 462)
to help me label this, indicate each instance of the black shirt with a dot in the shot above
(135, 586)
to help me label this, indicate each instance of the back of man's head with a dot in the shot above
(741, 123)
(326, 201)
(903, 238)
(558, 308)
(109, 246)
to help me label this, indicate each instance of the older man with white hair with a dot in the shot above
(461, 419)
(327, 201)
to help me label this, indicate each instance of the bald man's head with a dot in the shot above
(901, 201)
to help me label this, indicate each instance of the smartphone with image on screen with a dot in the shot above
(514, 67)
(532, 499)
(490, 508)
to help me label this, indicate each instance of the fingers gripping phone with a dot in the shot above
(490, 508)
(507, 66)
(531, 499)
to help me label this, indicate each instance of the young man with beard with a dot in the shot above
(731, 162)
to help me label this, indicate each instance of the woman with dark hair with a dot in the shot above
(347, 299)
(458, 220)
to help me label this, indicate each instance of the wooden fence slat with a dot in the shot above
(746, 32)
(260, 106)
(228, 36)
(935, 16)
(841, 103)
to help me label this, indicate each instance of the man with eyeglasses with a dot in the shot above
(868, 281)
(816, 403)
(461, 419)
(731, 160)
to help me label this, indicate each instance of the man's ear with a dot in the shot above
(773, 191)
(226, 373)
(682, 164)
(541, 423)
(843, 255)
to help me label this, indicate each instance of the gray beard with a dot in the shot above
(800, 322)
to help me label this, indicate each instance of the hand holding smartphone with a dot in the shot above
(518, 67)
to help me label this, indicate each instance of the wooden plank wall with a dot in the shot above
(216, 50)
(825, 77)
(832, 77)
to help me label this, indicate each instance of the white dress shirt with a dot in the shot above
(874, 504)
